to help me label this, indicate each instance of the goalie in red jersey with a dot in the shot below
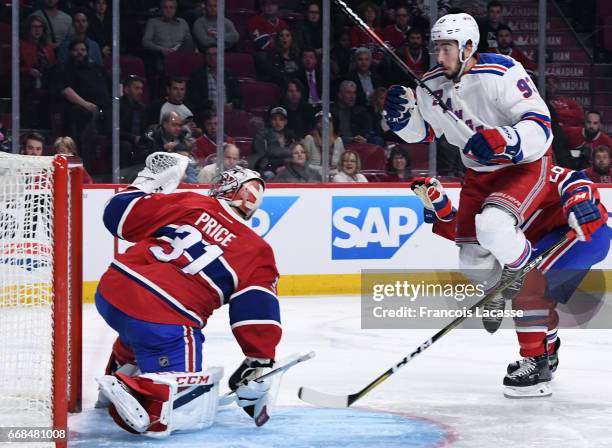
(192, 254)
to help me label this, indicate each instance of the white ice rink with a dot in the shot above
(449, 396)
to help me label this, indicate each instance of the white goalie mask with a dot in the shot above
(242, 188)
(462, 28)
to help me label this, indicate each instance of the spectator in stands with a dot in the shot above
(341, 56)
(264, 27)
(132, 120)
(505, 46)
(489, 26)
(398, 165)
(205, 28)
(67, 146)
(164, 35)
(311, 77)
(351, 121)
(600, 170)
(284, 60)
(583, 140)
(271, 146)
(349, 169)
(297, 169)
(309, 32)
(192, 171)
(35, 63)
(365, 76)
(569, 111)
(85, 87)
(395, 33)
(36, 54)
(58, 22)
(166, 135)
(206, 144)
(300, 114)
(368, 11)
(313, 144)
(101, 26)
(176, 91)
(202, 86)
(80, 26)
(231, 157)
(414, 53)
(33, 144)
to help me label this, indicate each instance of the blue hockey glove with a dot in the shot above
(399, 104)
(497, 146)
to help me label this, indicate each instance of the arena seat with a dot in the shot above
(5, 34)
(183, 64)
(240, 123)
(418, 153)
(372, 156)
(244, 144)
(234, 5)
(240, 65)
(257, 97)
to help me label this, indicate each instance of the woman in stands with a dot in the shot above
(67, 146)
(313, 143)
(297, 170)
(284, 61)
(398, 165)
(350, 167)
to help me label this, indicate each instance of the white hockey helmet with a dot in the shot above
(242, 188)
(462, 28)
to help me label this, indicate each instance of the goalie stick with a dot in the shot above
(343, 401)
(230, 397)
(370, 32)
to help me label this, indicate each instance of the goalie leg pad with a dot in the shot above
(156, 404)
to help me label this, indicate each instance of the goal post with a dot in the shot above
(40, 290)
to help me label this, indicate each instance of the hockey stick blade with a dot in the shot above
(230, 397)
(342, 401)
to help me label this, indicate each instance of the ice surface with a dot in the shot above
(451, 395)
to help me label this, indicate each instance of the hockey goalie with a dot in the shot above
(192, 254)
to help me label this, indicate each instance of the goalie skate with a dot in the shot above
(126, 405)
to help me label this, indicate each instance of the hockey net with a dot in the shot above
(40, 290)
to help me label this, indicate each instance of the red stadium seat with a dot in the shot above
(5, 58)
(241, 65)
(128, 65)
(245, 145)
(372, 156)
(257, 96)
(183, 64)
(240, 123)
(240, 19)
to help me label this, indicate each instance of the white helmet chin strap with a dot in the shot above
(463, 61)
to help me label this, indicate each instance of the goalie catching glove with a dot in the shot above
(253, 395)
(437, 205)
(399, 104)
(163, 172)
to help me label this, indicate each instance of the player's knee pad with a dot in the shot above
(479, 265)
(156, 404)
(496, 231)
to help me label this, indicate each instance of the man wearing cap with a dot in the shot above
(271, 145)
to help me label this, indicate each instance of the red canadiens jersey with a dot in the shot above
(569, 111)
(263, 31)
(562, 183)
(394, 36)
(192, 254)
(576, 139)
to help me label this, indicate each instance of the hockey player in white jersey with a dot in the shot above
(504, 139)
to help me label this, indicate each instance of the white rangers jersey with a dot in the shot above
(495, 92)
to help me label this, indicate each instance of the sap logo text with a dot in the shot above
(270, 212)
(373, 227)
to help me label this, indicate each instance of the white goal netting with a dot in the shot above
(26, 290)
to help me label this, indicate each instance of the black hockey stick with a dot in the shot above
(370, 32)
(343, 401)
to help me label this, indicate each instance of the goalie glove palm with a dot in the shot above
(436, 203)
(163, 172)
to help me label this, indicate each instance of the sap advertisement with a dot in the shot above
(321, 230)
